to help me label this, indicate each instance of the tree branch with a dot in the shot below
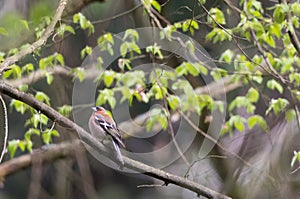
(46, 155)
(13, 59)
(88, 138)
(40, 74)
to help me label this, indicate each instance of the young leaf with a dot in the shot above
(273, 84)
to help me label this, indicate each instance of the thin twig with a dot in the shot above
(207, 136)
(150, 185)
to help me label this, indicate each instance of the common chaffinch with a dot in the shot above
(103, 126)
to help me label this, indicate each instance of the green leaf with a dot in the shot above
(29, 145)
(54, 133)
(192, 69)
(124, 49)
(201, 68)
(277, 105)
(108, 77)
(106, 95)
(65, 110)
(239, 123)
(134, 47)
(217, 16)
(218, 105)
(275, 29)
(241, 101)
(22, 146)
(190, 25)
(126, 94)
(157, 91)
(12, 147)
(3, 31)
(157, 116)
(227, 56)
(296, 8)
(25, 23)
(295, 21)
(79, 73)
(124, 63)
(295, 78)
(42, 97)
(84, 23)
(49, 78)
(273, 84)
(59, 58)
(14, 72)
(252, 95)
(270, 41)
(279, 14)
(181, 69)
(28, 68)
(86, 51)
(258, 27)
(46, 137)
(31, 131)
(43, 119)
(156, 5)
(65, 28)
(19, 106)
(257, 120)
(155, 50)
(105, 39)
(290, 115)
(218, 35)
(173, 102)
(131, 35)
(191, 47)
(132, 78)
(69, 29)
(23, 88)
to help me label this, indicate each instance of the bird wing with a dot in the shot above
(110, 129)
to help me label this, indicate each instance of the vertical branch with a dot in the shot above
(3, 128)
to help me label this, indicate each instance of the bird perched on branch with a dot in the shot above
(103, 127)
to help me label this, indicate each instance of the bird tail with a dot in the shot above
(118, 152)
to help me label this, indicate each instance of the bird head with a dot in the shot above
(99, 109)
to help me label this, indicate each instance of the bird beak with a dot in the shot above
(94, 108)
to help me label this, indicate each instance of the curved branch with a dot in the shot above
(46, 155)
(88, 138)
(13, 59)
(40, 74)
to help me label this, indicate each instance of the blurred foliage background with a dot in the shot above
(254, 47)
